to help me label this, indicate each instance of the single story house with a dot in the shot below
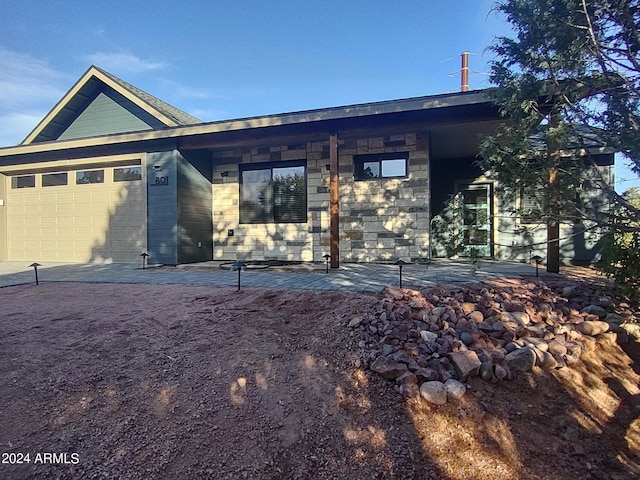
(112, 172)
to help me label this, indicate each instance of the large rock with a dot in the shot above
(434, 392)
(539, 343)
(426, 375)
(592, 327)
(514, 318)
(402, 357)
(486, 371)
(466, 363)
(428, 337)
(468, 307)
(595, 310)
(557, 348)
(454, 389)
(388, 368)
(632, 329)
(614, 318)
(544, 359)
(521, 360)
(467, 338)
(356, 321)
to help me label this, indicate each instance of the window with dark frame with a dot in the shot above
(127, 174)
(54, 179)
(273, 193)
(85, 177)
(23, 181)
(530, 208)
(380, 165)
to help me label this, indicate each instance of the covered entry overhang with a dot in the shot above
(449, 126)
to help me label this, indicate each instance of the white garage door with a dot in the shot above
(95, 214)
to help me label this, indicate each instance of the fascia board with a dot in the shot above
(308, 116)
(94, 72)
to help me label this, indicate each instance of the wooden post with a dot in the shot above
(334, 200)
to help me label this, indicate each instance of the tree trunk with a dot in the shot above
(553, 200)
(553, 246)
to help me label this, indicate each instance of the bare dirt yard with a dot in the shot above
(109, 381)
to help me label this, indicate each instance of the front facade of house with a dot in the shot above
(111, 172)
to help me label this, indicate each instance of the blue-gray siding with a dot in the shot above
(162, 208)
(103, 116)
(195, 220)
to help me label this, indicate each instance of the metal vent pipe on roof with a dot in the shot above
(464, 73)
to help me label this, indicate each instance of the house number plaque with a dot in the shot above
(164, 180)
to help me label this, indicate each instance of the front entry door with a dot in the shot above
(476, 223)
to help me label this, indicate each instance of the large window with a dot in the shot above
(273, 193)
(381, 165)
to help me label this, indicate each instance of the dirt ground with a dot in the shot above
(185, 382)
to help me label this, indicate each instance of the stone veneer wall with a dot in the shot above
(385, 219)
(379, 219)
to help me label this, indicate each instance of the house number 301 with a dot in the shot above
(162, 180)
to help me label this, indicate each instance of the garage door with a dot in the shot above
(77, 215)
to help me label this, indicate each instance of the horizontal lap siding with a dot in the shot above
(103, 116)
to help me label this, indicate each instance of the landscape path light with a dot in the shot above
(327, 257)
(144, 256)
(400, 263)
(35, 266)
(537, 259)
(238, 266)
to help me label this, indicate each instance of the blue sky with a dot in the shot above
(229, 59)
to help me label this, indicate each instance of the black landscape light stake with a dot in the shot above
(35, 266)
(327, 257)
(537, 259)
(144, 256)
(238, 266)
(400, 263)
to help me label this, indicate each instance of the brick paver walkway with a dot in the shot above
(353, 277)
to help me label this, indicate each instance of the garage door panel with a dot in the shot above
(64, 222)
(101, 196)
(77, 222)
(31, 210)
(48, 210)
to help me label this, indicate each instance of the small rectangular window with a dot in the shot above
(530, 207)
(127, 174)
(381, 165)
(89, 176)
(54, 179)
(23, 181)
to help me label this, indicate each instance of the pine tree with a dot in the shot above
(569, 79)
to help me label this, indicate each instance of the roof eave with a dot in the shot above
(471, 98)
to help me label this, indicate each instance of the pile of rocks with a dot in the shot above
(430, 342)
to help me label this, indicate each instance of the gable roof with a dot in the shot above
(152, 110)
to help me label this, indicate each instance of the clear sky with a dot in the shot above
(237, 58)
